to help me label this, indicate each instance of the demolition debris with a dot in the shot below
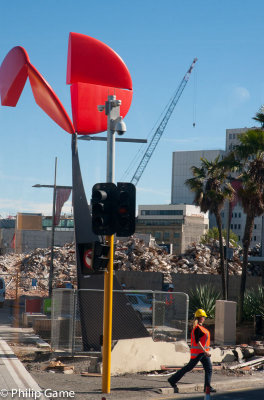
(132, 254)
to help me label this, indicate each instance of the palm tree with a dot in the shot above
(260, 116)
(212, 189)
(251, 194)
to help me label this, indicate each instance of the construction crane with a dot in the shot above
(159, 131)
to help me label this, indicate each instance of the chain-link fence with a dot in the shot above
(19, 285)
(161, 315)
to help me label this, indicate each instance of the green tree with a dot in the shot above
(250, 152)
(260, 116)
(211, 189)
(213, 233)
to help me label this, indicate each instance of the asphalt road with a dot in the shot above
(234, 394)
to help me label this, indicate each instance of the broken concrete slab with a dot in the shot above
(219, 355)
(143, 354)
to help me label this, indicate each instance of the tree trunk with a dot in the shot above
(221, 251)
(246, 243)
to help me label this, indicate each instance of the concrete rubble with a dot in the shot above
(130, 255)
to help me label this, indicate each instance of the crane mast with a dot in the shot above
(159, 131)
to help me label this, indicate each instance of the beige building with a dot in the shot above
(177, 225)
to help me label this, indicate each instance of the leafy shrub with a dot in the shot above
(204, 296)
(213, 233)
(254, 303)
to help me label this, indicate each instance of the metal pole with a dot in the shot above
(186, 317)
(227, 249)
(153, 314)
(52, 232)
(262, 237)
(108, 277)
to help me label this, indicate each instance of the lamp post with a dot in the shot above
(55, 186)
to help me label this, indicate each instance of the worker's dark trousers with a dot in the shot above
(207, 365)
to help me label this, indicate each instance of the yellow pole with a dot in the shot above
(108, 311)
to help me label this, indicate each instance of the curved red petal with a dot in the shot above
(46, 99)
(85, 99)
(92, 61)
(13, 76)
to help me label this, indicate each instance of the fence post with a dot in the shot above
(153, 314)
(186, 318)
(75, 292)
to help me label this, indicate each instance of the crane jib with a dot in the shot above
(160, 130)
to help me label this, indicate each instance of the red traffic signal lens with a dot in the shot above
(122, 210)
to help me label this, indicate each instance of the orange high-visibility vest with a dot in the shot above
(205, 341)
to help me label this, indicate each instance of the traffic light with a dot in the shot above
(94, 257)
(103, 208)
(126, 207)
(100, 256)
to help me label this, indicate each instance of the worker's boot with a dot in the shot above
(173, 385)
(212, 390)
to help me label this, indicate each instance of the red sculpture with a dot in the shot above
(94, 71)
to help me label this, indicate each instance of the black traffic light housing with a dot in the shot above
(103, 208)
(113, 208)
(126, 208)
(100, 256)
(94, 257)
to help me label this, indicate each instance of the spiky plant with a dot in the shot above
(254, 303)
(204, 296)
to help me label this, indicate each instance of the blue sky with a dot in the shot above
(158, 41)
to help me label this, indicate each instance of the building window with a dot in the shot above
(238, 237)
(234, 135)
(157, 235)
(255, 226)
(230, 135)
(239, 214)
(231, 226)
(235, 226)
(161, 212)
(235, 215)
(239, 226)
(222, 214)
(255, 238)
(166, 236)
(159, 222)
(176, 235)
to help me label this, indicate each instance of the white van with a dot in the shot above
(2, 292)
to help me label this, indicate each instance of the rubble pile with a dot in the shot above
(35, 265)
(134, 255)
(130, 255)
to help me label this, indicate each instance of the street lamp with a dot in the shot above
(55, 187)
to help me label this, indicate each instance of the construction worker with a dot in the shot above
(169, 296)
(200, 351)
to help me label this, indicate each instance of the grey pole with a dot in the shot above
(227, 248)
(110, 168)
(52, 232)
